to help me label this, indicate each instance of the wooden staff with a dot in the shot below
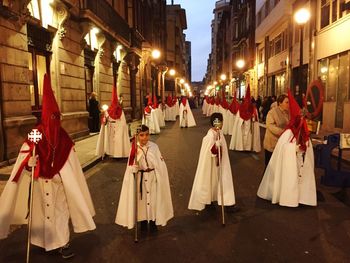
(135, 190)
(220, 181)
(34, 136)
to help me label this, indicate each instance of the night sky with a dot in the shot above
(199, 14)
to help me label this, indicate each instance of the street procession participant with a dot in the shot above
(232, 113)
(186, 116)
(246, 129)
(177, 106)
(205, 104)
(150, 118)
(158, 108)
(206, 186)
(113, 139)
(170, 114)
(224, 111)
(60, 191)
(210, 109)
(289, 178)
(154, 205)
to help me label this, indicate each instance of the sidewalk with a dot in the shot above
(85, 149)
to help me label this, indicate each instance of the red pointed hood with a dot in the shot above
(184, 101)
(224, 103)
(297, 123)
(169, 101)
(115, 110)
(155, 102)
(207, 99)
(55, 146)
(234, 106)
(247, 109)
(217, 100)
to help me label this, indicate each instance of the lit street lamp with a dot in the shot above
(301, 17)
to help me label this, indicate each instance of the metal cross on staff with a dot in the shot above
(34, 136)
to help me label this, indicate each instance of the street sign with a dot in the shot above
(313, 100)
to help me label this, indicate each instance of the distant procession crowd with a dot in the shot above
(48, 173)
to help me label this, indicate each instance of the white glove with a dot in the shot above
(134, 168)
(32, 161)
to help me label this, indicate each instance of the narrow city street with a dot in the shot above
(255, 231)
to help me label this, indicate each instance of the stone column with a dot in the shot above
(133, 61)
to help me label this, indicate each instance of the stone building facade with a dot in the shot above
(85, 46)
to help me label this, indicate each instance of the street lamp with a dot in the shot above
(240, 65)
(156, 54)
(223, 78)
(301, 17)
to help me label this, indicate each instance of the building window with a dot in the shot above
(261, 55)
(39, 65)
(325, 10)
(91, 38)
(278, 44)
(42, 11)
(332, 10)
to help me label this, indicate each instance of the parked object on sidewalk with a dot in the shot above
(206, 186)
(60, 191)
(113, 139)
(153, 189)
(289, 178)
(323, 158)
(246, 129)
(186, 116)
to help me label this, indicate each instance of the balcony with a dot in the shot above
(105, 13)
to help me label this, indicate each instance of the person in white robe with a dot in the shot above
(60, 191)
(113, 139)
(169, 111)
(206, 186)
(246, 128)
(289, 178)
(158, 109)
(153, 189)
(205, 105)
(186, 116)
(177, 106)
(224, 111)
(231, 114)
(211, 104)
(150, 118)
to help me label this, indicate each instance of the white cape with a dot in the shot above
(114, 138)
(186, 119)
(205, 187)
(245, 135)
(160, 116)
(163, 204)
(170, 114)
(151, 121)
(205, 107)
(288, 180)
(54, 201)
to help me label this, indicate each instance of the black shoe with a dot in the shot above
(153, 227)
(144, 226)
(66, 252)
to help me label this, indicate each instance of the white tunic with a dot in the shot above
(170, 114)
(186, 116)
(155, 202)
(289, 178)
(206, 187)
(245, 135)
(151, 121)
(114, 138)
(55, 200)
